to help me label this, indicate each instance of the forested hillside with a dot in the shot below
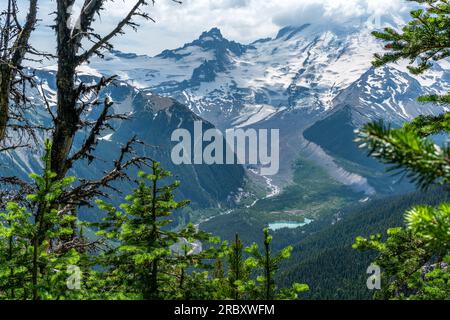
(323, 256)
(325, 259)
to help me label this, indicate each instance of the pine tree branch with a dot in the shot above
(424, 39)
(422, 160)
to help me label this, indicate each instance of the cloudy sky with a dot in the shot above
(240, 20)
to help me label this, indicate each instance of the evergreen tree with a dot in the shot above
(238, 270)
(149, 260)
(266, 265)
(415, 259)
(15, 252)
(143, 255)
(35, 260)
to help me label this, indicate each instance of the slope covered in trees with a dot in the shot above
(324, 257)
(46, 256)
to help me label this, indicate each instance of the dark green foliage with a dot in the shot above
(238, 271)
(410, 269)
(251, 274)
(15, 231)
(425, 38)
(139, 256)
(414, 260)
(420, 158)
(35, 259)
(267, 265)
(150, 261)
(323, 256)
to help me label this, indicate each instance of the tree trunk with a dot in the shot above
(12, 56)
(67, 119)
(5, 77)
(153, 281)
(37, 241)
(268, 294)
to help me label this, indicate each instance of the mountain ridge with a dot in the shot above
(305, 72)
(291, 82)
(152, 120)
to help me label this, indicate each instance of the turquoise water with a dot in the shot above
(277, 225)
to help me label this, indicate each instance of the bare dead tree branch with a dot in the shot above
(80, 244)
(13, 147)
(103, 42)
(14, 45)
(73, 98)
(13, 190)
(88, 189)
(72, 113)
(92, 139)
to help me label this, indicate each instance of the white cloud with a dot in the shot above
(337, 11)
(240, 20)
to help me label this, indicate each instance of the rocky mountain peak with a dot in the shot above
(213, 34)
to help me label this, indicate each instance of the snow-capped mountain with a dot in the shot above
(302, 67)
(153, 119)
(315, 83)
(291, 81)
(388, 93)
(229, 83)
